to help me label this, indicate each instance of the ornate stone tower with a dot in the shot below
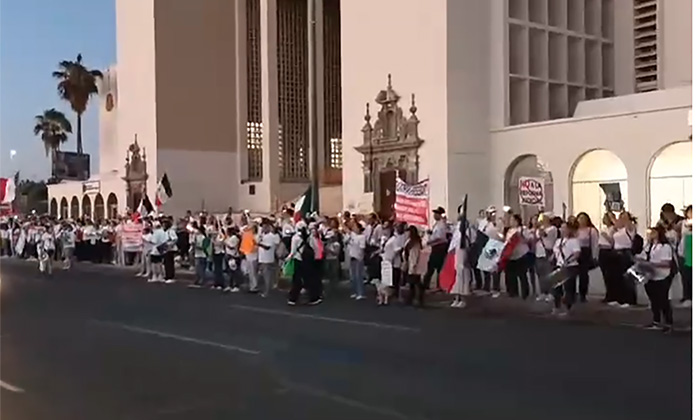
(390, 148)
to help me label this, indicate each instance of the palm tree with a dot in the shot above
(54, 127)
(76, 84)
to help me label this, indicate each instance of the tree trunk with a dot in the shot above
(80, 133)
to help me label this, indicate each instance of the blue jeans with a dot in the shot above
(218, 262)
(200, 268)
(356, 277)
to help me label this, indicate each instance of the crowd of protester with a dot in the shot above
(547, 258)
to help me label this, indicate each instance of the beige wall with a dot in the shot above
(195, 74)
(137, 78)
(406, 38)
(676, 55)
(636, 130)
(111, 157)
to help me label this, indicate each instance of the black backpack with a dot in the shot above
(637, 243)
(307, 252)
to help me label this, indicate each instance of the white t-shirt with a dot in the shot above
(564, 249)
(232, 244)
(491, 231)
(198, 244)
(544, 241)
(659, 253)
(4, 234)
(622, 239)
(270, 240)
(356, 246)
(68, 238)
(47, 239)
(439, 233)
(605, 239)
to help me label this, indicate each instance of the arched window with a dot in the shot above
(53, 208)
(112, 206)
(590, 171)
(64, 208)
(99, 207)
(527, 166)
(87, 207)
(671, 178)
(74, 208)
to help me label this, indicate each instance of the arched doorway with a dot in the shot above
(588, 173)
(524, 168)
(112, 206)
(671, 178)
(64, 208)
(99, 207)
(87, 207)
(53, 208)
(74, 208)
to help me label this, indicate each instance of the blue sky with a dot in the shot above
(34, 36)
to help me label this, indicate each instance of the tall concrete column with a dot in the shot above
(270, 109)
(241, 47)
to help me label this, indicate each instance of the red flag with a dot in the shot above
(508, 251)
(448, 274)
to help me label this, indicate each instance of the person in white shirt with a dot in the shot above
(545, 237)
(307, 246)
(199, 251)
(355, 244)
(146, 251)
(567, 250)
(659, 253)
(460, 244)
(46, 247)
(606, 256)
(267, 244)
(67, 244)
(373, 237)
(5, 234)
(159, 246)
(171, 251)
(588, 238)
(488, 228)
(517, 264)
(218, 250)
(624, 291)
(232, 260)
(438, 243)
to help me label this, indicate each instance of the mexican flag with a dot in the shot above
(163, 192)
(7, 190)
(302, 207)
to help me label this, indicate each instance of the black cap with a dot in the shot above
(439, 210)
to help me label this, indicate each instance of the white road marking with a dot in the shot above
(178, 337)
(319, 393)
(326, 318)
(10, 387)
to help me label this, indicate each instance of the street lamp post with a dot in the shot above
(313, 106)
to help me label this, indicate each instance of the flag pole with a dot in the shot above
(313, 106)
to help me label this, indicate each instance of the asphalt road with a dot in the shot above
(97, 343)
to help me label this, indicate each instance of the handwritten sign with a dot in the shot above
(531, 191)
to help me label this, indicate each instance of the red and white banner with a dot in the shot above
(531, 191)
(413, 203)
(132, 237)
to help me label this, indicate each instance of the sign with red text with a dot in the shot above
(412, 203)
(132, 237)
(531, 191)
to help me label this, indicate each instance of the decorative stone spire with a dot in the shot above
(412, 122)
(367, 129)
(413, 108)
